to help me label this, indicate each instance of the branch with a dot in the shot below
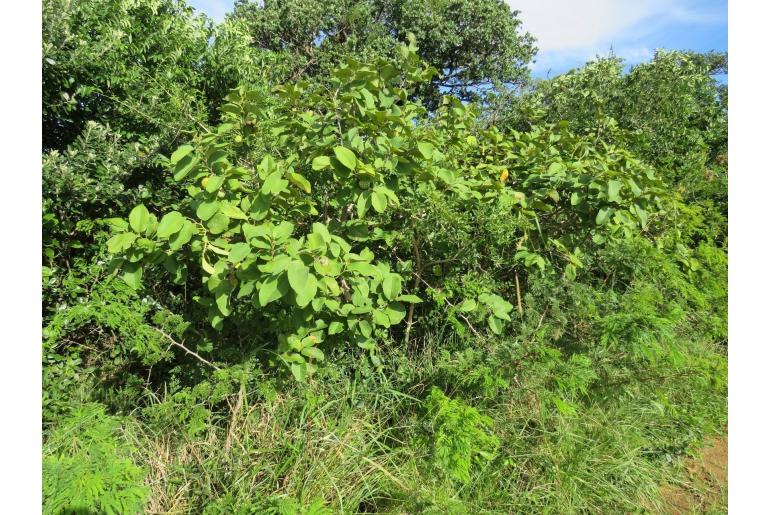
(188, 351)
(419, 279)
(418, 273)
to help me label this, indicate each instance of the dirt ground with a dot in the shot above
(704, 487)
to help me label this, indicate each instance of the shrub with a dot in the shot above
(87, 466)
(331, 241)
(461, 435)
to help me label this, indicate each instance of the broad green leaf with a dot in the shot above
(171, 223)
(335, 327)
(380, 318)
(363, 203)
(362, 268)
(213, 183)
(180, 153)
(298, 275)
(139, 219)
(379, 201)
(176, 241)
(602, 216)
(232, 211)
(396, 312)
(322, 230)
(313, 352)
(495, 324)
(120, 242)
(283, 230)
(576, 198)
(299, 371)
(267, 166)
(316, 242)
(184, 167)
(215, 318)
(132, 275)
(218, 223)
(346, 157)
(116, 224)
(230, 108)
(207, 266)
(260, 207)
(222, 299)
(299, 182)
(391, 286)
(467, 305)
(426, 149)
(366, 344)
(365, 328)
(501, 307)
(274, 183)
(641, 214)
(207, 209)
(273, 288)
(321, 162)
(331, 284)
(218, 158)
(238, 252)
(308, 292)
(613, 188)
(556, 168)
(411, 299)
(570, 272)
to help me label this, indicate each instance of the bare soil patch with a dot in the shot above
(704, 487)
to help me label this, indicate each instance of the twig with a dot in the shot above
(420, 279)
(518, 294)
(417, 276)
(188, 351)
(299, 73)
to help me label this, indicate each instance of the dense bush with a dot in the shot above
(284, 273)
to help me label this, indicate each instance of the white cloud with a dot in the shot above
(571, 32)
(562, 25)
(633, 55)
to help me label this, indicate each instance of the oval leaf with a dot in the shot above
(346, 157)
(180, 153)
(139, 219)
(298, 275)
(171, 223)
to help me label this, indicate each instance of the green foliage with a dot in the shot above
(461, 435)
(473, 44)
(284, 274)
(87, 466)
(283, 235)
(670, 112)
(129, 64)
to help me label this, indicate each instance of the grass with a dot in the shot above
(359, 445)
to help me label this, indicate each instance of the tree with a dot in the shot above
(131, 64)
(671, 112)
(473, 44)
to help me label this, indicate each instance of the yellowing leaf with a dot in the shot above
(299, 181)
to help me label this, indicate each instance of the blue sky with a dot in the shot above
(570, 32)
